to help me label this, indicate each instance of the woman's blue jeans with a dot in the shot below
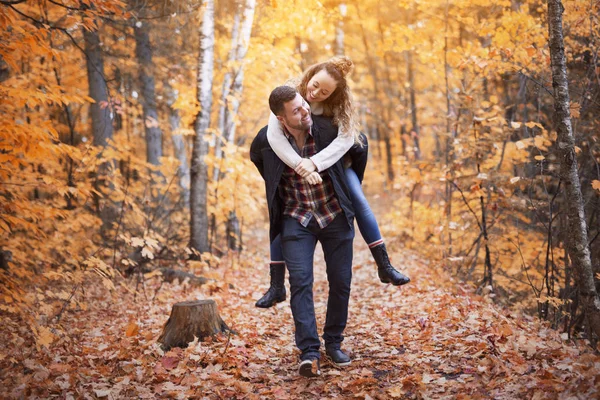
(367, 224)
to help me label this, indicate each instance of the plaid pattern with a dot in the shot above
(303, 200)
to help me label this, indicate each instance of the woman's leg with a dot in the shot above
(367, 224)
(277, 251)
(276, 292)
(369, 229)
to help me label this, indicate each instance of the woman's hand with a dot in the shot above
(305, 168)
(314, 178)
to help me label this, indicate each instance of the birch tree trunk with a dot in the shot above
(178, 142)
(199, 170)
(143, 52)
(235, 33)
(577, 240)
(234, 79)
(238, 78)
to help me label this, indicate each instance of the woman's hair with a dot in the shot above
(339, 104)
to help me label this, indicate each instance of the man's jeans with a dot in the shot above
(298, 251)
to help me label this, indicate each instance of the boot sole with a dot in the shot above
(270, 305)
(307, 369)
(395, 284)
(344, 364)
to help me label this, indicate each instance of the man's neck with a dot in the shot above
(299, 136)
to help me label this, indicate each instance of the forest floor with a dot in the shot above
(433, 338)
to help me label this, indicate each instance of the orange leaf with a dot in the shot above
(132, 329)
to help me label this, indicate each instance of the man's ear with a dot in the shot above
(280, 118)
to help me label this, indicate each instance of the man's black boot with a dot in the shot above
(338, 357)
(387, 273)
(276, 292)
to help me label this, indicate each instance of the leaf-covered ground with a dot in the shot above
(430, 339)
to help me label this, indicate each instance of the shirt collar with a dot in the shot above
(288, 135)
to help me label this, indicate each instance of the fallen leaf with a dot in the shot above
(132, 329)
(169, 362)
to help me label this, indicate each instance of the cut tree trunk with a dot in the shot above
(190, 320)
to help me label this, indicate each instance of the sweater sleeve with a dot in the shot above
(333, 152)
(280, 145)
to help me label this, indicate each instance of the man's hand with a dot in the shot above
(305, 168)
(314, 178)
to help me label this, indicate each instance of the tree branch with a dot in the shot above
(10, 3)
(467, 204)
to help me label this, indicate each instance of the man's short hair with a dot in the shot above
(279, 96)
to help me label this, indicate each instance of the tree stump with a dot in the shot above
(189, 319)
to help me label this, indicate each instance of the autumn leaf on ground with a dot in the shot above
(596, 184)
(132, 329)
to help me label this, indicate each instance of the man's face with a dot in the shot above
(296, 114)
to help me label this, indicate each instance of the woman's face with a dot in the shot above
(320, 87)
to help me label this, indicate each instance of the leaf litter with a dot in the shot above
(433, 338)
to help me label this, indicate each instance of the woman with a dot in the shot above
(325, 88)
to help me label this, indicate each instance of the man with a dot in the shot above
(304, 214)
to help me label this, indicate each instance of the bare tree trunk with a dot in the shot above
(199, 171)
(235, 32)
(102, 117)
(102, 128)
(449, 141)
(238, 77)
(339, 31)
(236, 96)
(178, 142)
(577, 243)
(143, 52)
(413, 105)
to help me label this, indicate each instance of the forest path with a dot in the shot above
(429, 339)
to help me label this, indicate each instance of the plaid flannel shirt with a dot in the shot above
(301, 199)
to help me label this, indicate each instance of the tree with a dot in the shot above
(577, 239)
(339, 30)
(238, 76)
(235, 33)
(102, 117)
(178, 141)
(100, 110)
(199, 169)
(143, 52)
